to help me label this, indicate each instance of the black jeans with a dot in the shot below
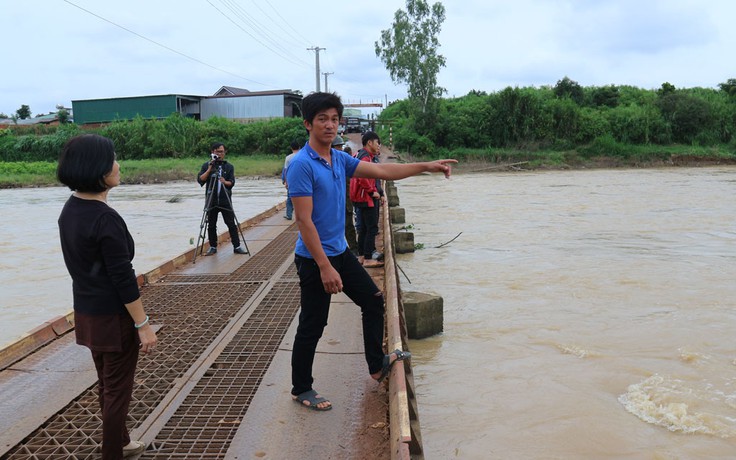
(229, 217)
(367, 231)
(315, 303)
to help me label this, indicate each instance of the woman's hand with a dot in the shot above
(148, 338)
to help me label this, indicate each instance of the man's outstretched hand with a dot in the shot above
(443, 166)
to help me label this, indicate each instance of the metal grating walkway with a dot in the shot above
(194, 311)
(207, 420)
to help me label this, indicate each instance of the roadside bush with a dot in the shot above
(424, 146)
(566, 119)
(273, 137)
(593, 124)
(687, 115)
(178, 136)
(635, 124)
(218, 129)
(604, 145)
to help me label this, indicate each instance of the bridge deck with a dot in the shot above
(218, 385)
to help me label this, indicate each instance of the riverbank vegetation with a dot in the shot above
(561, 126)
(152, 151)
(149, 171)
(567, 125)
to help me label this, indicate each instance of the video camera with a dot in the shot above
(216, 161)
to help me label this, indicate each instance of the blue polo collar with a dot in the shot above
(315, 156)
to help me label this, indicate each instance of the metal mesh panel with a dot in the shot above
(264, 264)
(207, 420)
(192, 316)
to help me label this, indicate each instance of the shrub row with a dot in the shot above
(173, 137)
(549, 118)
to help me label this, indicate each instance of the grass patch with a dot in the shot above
(152, 171)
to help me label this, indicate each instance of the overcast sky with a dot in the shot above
(54, 52)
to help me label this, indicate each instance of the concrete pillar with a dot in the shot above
(423, 313)
(397, 215)
(404, 242)
(392, 194)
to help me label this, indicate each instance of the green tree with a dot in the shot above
(606, 96)
(687, 115)
(517, 117)
(666, 89)
(62, 114)
(569, 88)
(409, 50)
(565, 119)
(729, 87)
(23, 112)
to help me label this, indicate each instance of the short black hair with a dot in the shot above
(296, 144)
(317, 102)
(84, 162)
(216, 145)
(369, 136)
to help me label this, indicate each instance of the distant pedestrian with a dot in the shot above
(339, 144)
(325, 265)
(367, 196)
(295, 146)
(109, 318)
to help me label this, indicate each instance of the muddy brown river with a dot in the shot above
(588, 314)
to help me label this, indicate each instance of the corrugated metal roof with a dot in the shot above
(264, 106)
(230, 91)
(245, 105)
(124, 108)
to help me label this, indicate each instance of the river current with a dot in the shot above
(588, 314)
(164, 221)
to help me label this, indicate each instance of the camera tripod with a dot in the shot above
(213, 182)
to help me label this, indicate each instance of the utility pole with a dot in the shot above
(325, 74)
(316, 50)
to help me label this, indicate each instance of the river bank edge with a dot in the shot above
(462, 167)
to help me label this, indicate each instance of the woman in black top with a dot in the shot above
(108, 313)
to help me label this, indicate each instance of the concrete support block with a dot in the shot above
(392, 196)
(404, 242)
(423, 313)
(397, 215)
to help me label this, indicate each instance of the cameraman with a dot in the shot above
(219, 175)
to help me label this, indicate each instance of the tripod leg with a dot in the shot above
(204, 222)
(202, 235)
(237, 224)
(242, 237)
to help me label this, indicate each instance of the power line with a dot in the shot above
(300, 39)
(164, 46)
(281, 27)
(243, 16)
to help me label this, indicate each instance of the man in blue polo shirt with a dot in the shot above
(316, 178)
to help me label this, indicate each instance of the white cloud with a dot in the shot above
(54, 52)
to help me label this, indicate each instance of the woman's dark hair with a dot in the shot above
(84, 162)
(317, 102)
